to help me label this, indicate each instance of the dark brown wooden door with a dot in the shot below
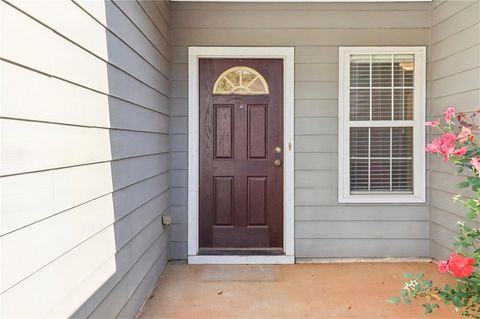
(241, 188)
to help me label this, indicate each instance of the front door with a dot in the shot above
(241, 156)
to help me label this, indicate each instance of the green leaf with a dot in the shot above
(475, 183)
(471, 202)
(472, 214)
(429, 307)
(405, 296)
(457, 301)
(394, 300)
(462, 184)
(408, 275)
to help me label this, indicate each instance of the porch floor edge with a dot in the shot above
(363, 260)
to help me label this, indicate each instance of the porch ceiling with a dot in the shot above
(301, 1)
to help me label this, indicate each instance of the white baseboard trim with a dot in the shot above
(240, 260)
(361, 260)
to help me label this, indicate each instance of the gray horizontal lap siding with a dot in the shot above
(86, 178)
(455, 80)
(323, 228)
(108, 103)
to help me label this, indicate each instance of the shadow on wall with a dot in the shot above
(139, 144)
(84, 172)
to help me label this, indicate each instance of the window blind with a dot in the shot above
(381, 123)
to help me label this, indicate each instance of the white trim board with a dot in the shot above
(287, 54)
(240, 260)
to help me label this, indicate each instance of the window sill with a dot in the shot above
(382, 199)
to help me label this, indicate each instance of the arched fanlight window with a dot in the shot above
(241, 80)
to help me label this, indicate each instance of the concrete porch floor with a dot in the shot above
(343, 290)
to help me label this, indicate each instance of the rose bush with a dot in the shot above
(457, 144)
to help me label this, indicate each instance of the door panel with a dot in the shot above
(223, 198)
(257, 201)
(223, 131)
(257, 131)
(241, 190)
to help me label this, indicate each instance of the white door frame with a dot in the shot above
(194, 54)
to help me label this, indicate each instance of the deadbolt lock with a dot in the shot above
(277, 162)
(277, 149)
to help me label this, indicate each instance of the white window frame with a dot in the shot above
(418, 195)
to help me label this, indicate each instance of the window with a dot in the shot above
(381, 125)
(240, 80)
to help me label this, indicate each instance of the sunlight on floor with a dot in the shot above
(351, 290)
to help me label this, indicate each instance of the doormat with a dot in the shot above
(239, 273)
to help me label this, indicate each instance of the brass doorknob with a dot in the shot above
(277, 149)
(277, 162)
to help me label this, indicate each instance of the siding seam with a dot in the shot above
(141, 31)
(453, 214)
(123, 41)
(163, 253)
(92, 200)
(82, 164)
(454, 93)
(161, 12)
(440, 4)
(453, 54)
(453, 74)
(80, 85)
(455, 34)
(440, 244)
(72, 248)
(153, 22)
(130, 268)
(87, 50)
(81, 125)
(444, 227)
(451, 16)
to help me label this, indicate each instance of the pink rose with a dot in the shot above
(443, 266)
(475, 161)
(449, 113)
(460, 266)
(434, 146)
(465, 135)
(460, 152)
(432, 123)
(444, 144)
(448, 145)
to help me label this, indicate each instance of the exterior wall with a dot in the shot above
(455, 80)
(323, 227)
(85, 156)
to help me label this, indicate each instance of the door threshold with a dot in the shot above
(241, 259)
(241, 251)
